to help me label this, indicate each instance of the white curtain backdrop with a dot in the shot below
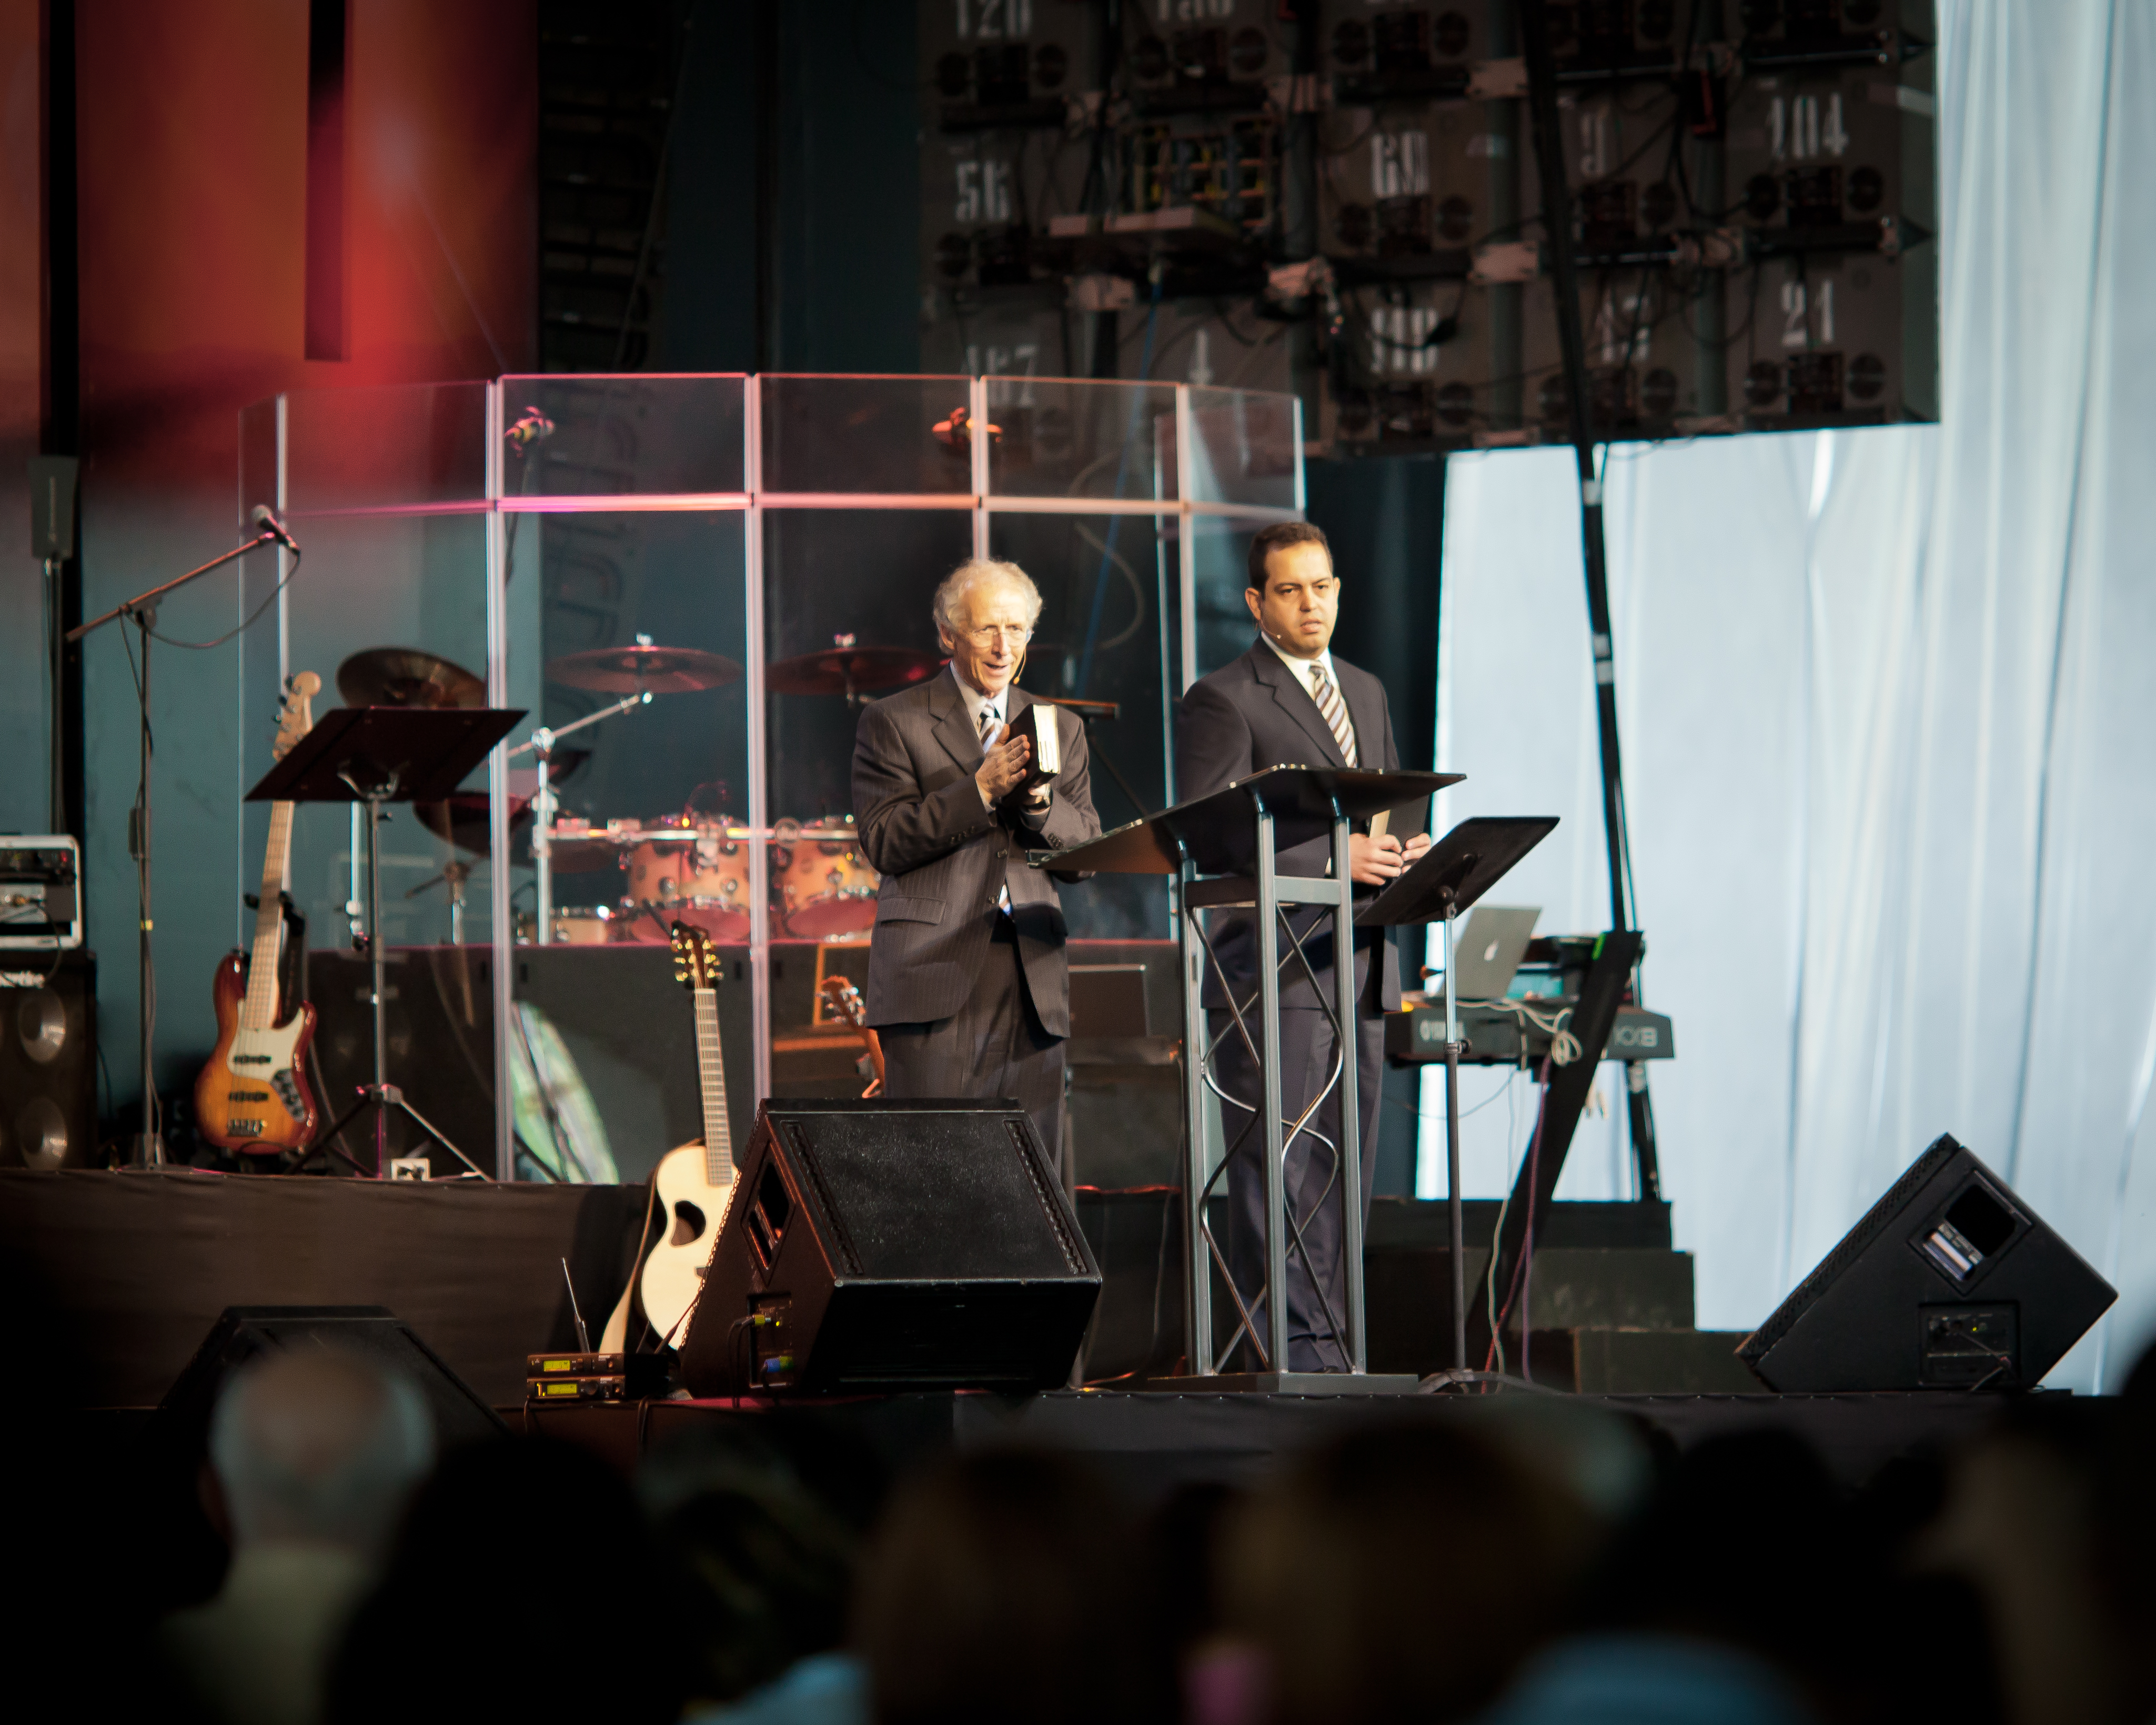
(1888, 715)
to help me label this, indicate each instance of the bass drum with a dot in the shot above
(822, 885)
(697, 876)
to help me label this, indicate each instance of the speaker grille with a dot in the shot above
(1942, 1150)
(892, 1183)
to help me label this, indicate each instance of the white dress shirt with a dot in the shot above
(976, 701)
(1303, 667)
(977, 704)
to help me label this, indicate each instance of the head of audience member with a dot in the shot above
(1401, 1573)
(985, 612)
(1293, 594)
(313, 1454)
(1183, 1538)
(2050, 1519)
(524, 1576)
(318, 1448)
(997, 1590)
(767, 1561)
(1748, 1545)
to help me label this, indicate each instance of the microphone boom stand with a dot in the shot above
(544, 802)
(148, 1148)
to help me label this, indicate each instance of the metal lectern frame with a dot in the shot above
(1193, 842)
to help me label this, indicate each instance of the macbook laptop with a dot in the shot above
(1488, 950)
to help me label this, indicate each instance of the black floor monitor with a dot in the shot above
(885, 1245)
(1950, 1282)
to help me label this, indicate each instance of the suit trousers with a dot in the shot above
(992, 1046)
(1311, 1176)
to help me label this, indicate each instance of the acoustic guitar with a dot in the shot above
(252, 1095)
(844, 999)
(693, 1184)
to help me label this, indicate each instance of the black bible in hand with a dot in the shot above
(1037, 725)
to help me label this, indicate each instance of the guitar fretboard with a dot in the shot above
(712, 1074)
(258, 1011)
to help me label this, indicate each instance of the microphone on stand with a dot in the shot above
(266, 521)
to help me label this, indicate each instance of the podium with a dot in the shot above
(1220, 849)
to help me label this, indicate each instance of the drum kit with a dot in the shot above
(691, 867)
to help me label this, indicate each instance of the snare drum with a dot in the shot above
(696, 875)
(572, 926)
(821, 885)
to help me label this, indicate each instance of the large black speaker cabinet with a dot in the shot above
(48, 1061)
(374, 1333)
(882, 1245)
(1950, 1282)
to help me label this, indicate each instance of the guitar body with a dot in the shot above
(253, 1094)
(692, 1209)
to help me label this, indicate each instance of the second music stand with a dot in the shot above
(1447, 879)
(378, 755)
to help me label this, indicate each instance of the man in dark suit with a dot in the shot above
(1286, 701)
(967, 982)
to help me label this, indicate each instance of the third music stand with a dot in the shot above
(378, 755)
(1447, 879)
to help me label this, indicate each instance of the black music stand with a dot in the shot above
(1446, 880)
(1232, 835)
(378, 755)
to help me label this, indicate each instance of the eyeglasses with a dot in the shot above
(985, 636)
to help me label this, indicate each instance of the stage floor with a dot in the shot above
(1148, 1443)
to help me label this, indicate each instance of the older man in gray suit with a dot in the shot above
(967, 982)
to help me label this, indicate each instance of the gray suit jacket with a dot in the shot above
(945, 859)
(1252, 714)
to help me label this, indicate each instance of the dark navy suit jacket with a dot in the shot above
(1252, 714)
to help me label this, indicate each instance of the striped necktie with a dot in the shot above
(989, 723)
(1335, 710)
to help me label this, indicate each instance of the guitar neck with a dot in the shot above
(259, 1010)
(711, 1076)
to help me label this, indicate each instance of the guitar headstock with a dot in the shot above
(697, 961)
(843, 999)
(295, 711)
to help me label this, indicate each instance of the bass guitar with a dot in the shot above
(252, 1095)
(693, 1184)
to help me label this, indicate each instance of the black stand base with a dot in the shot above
(386, 1098)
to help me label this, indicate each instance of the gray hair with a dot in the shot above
(982, 572)
(318, 1448)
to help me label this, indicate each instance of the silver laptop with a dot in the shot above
(1489, 949)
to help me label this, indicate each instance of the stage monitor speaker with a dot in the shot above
(374, 1333)
(48, 1061)
(1950, 1282)
(887, 1246)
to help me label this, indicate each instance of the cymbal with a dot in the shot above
(404, 676)
(847, 670)
(630, 670)
(461, 817)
